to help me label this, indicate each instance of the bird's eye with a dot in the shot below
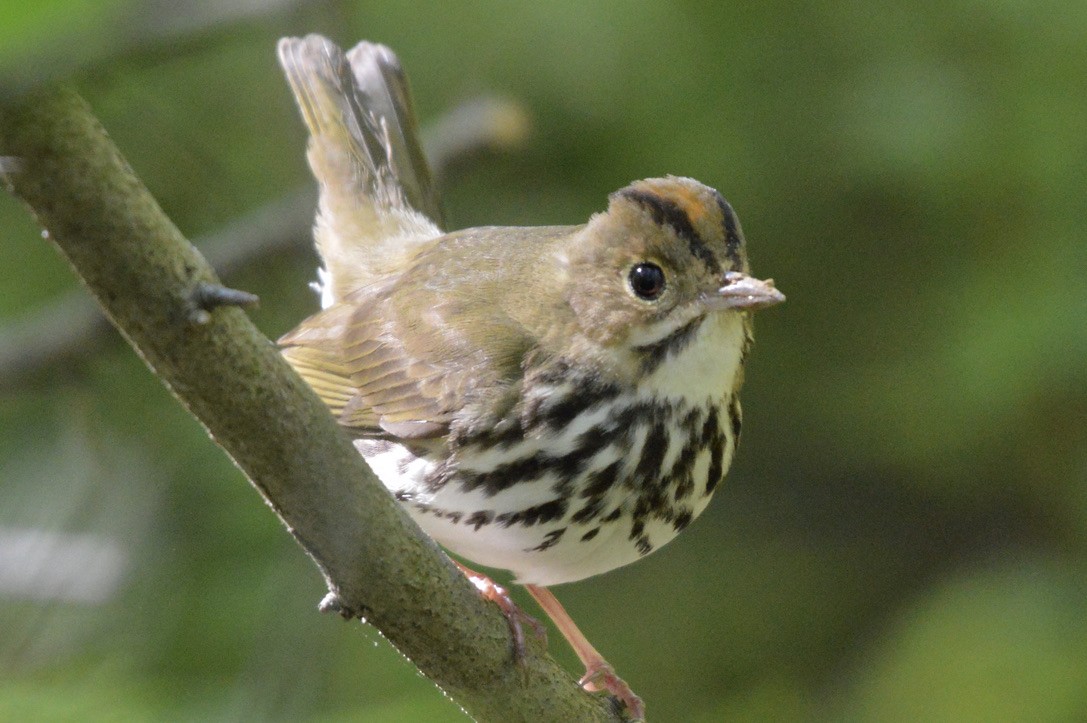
(646, 281)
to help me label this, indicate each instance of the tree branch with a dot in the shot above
(375, 560)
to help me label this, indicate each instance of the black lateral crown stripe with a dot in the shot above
(666, 212)
(732, 229)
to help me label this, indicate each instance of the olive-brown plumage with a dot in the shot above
(556, 401)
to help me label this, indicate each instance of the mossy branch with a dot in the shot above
(153, 285)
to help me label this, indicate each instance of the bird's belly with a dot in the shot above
(558, 508)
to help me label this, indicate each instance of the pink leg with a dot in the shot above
(599, 675)
(497, 594)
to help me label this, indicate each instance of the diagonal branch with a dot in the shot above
(375, 560)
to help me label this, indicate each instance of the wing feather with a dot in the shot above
(397, 375)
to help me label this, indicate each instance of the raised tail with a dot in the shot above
(378, 204)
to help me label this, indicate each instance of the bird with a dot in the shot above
(555, 401)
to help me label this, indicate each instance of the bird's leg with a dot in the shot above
(497, 594)
(599, 675)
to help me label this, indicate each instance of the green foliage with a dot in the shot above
(903, 534)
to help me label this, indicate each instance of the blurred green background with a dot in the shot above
(904, 533)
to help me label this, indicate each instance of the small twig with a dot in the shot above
(333, 603)
(206, 297)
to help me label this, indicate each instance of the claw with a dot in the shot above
(600, 676)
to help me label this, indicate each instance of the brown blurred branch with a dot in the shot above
(72, 327)
(139, 32)
(219, 366)
(478, 125)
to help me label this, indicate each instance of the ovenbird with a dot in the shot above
(556, 401)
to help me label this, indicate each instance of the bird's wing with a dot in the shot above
(403, 363)
(378, 202)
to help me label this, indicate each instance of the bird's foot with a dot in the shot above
(600, 676)
(515, 616)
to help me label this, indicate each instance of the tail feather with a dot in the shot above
(378, 203)
(383, 89)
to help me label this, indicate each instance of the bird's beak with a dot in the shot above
(745, 292)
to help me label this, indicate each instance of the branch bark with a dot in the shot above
(227, 374)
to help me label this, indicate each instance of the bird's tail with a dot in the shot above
(378, 202)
